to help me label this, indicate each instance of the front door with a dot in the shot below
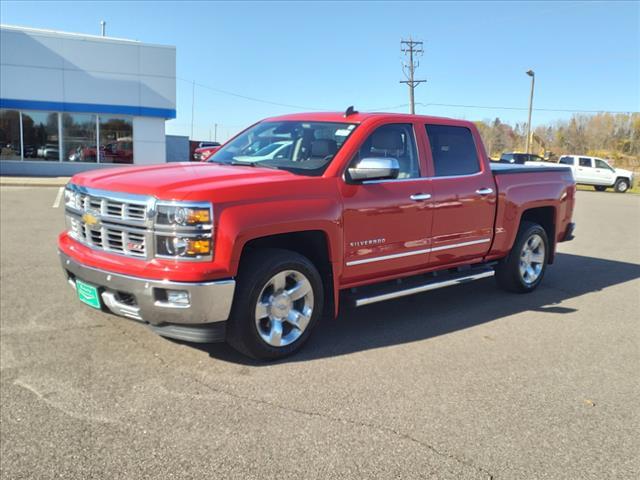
(463, 194)
(387, 223)
(604, 174)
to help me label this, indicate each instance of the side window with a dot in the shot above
(453, 150)
(566, 160)
(585, 162)
(393, 141)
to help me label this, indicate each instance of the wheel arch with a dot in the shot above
(312, 244)
(544, 216)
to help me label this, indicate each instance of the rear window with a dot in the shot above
(453, 150)
(566, 160)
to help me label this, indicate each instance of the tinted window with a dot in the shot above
(10, 148)
(79, 137)
(453, 150)
(566, 160)
(116, 139)
(393, 141)
(585, 162)
(602, 164)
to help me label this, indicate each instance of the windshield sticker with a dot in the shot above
(343, 132)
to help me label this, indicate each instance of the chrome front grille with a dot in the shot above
(110, 207)
(116, 223)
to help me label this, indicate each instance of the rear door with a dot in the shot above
(584, 171)
(464, 196)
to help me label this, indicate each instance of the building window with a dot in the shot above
(40, 134)
(116, 139)
(85, 137)
(79, 137)
(10, 135)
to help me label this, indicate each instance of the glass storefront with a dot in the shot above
(9, 135)
(40, 134)
(116, 139)
(79, 137)
(86, 137)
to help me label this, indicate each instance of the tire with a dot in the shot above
(600, 188)
(261, 324)
(509, 274)
(621, 185)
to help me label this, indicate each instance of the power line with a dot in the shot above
(490, 107)
(414, 50)
(254, 99)
(456, 105)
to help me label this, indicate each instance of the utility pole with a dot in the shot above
(193, 105)
(215, 132)
(414, 50)
(532, 74)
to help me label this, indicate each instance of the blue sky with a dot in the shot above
(329, 55)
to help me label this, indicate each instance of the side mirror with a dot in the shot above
(374, 168)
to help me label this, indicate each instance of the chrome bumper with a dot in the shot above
(146, 300)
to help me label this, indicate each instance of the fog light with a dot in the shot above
(178, 297)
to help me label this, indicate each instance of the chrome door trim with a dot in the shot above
(387, 257)
(416, 252)
(463, 244)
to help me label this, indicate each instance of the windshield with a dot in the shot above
(304, 148)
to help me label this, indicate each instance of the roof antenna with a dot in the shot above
(103, 26)
(350, 111)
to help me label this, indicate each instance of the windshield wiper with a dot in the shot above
(252, 164)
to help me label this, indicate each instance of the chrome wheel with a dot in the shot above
(284, 308)
(622, 186)
(532, 259)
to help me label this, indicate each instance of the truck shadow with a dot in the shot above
(440, 312)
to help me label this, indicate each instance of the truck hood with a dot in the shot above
(180, 181)
(623, 173)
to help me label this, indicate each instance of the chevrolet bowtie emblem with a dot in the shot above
(90, 219)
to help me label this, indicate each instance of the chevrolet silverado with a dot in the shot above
(359, 208)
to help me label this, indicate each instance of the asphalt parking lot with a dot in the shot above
(466, 382)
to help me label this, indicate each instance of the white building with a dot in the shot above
(72, 102)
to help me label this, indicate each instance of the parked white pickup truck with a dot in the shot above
(595, 171)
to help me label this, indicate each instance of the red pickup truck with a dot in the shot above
(252, 247)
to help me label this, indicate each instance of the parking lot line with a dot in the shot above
(56, 203)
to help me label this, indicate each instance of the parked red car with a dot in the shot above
(253, 248)
(205, 150)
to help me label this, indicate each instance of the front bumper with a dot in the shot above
(145, 300)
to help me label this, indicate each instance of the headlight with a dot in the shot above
(183, 247)
(182, 216)
(72, 199)
(184, 230)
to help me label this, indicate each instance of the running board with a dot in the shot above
(375, 294)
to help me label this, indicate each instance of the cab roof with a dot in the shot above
(360, 117)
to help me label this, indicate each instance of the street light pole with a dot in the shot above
(532, 74)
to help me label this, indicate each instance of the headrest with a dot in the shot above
(323, 147)
(387, 139)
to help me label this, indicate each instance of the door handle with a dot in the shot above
(484, 191)
(416, 197)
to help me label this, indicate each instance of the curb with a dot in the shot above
(33, 182)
